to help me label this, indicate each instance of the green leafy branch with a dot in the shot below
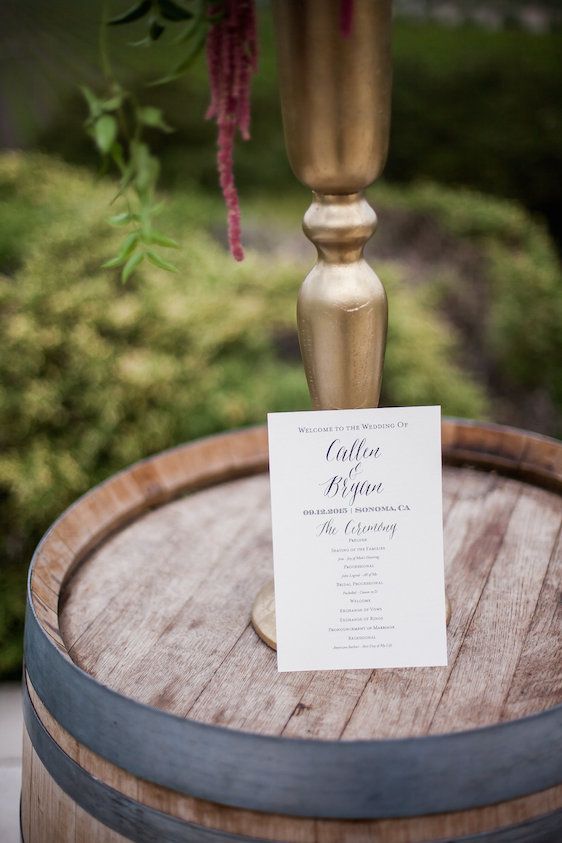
(117, 124)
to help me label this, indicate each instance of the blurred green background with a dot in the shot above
(94, 374)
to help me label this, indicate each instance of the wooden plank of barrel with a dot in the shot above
(154, 713)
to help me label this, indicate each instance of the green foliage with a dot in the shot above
(470, 107)
(119, 115)
(12, 610)
(479, 108)
(511, 296)
(117, 124)
(95, 375)
(158, 14)
(421, 365)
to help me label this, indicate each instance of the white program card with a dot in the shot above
(356, 499)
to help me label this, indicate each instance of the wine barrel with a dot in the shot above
(153, 711)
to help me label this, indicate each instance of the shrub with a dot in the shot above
(502, 291)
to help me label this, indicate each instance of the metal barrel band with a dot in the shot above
(144, 824)
(297, 777)
(130, 818)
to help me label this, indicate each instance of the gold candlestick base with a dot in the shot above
(263, 614)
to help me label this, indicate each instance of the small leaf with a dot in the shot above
(121, 219)
(171, 11)
(131, 265)
(195, 24)
(195, 48)
(94, 103)
(192, 53)
(152, 117)
(144, 42)
(156, 30)
(105, 132)
(128, 246)
(187, 33)
(160, 262)
(145, 166)
(161, 240)
(117, 155)
(111, 264)
(136, 12)
(113, 103)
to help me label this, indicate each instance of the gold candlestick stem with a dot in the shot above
(335, 99)
(341, 309)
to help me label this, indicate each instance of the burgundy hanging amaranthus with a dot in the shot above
(232, 60)
(346, 17)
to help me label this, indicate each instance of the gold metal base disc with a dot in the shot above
(263, 614)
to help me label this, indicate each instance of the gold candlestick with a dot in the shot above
(335, 98)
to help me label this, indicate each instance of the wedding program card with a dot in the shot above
(358, 538)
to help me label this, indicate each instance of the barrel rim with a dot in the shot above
(253, 777)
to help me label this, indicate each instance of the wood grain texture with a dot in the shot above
(404, 701)
(147, 583)
(252, 824)
(51, 810)
(160, 612)
(26, 785)
(395, 703)
(248, 692)
(190, 605)
(531, 687)
(483, 669)
(49, 815)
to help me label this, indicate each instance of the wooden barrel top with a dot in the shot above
(147, 584)
(160, 612)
